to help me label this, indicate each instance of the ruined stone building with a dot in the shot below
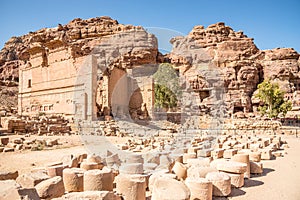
(97, 67)
(60, 77)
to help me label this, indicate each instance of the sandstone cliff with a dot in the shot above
(240, 64)
(79, 37)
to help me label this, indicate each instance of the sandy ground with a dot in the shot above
(280, 180)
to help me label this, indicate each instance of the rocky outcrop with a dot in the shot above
(282, 65)
(238, 62)
(234, 58)
(121, 46)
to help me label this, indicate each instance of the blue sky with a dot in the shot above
(271, 23)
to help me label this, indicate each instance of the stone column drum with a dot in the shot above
(243, 158)
(200, 188)
(73, 179)
(131, 187)
(221, 183)
(98, 180)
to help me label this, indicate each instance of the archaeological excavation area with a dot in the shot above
(93, 110)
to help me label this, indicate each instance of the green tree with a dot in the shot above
(167, 89)
(273, 98)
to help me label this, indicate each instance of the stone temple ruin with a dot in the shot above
(99, 74)
(83, 68)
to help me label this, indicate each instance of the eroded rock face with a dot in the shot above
(241, 65)
(73, 42)
(282, 65)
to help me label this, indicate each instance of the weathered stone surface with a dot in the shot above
(91, 165)
(167, 188)
(200, 188)
(159, 174)
(228, 153)
(131, 186)
(4, 140)
(73, 179)
(9, 175)
(236, 56)
(131, 168)
(256, 167)
(51, 188)
(221, 183)
(243, 158)
(232, 166)
(91, 195)
(98, 180)
(180, 170)
(9, 189)
(240, 62)
(56, 170)
(255, 156)
(199, 171)
(29, 180)
(266, 154)
(237, 180)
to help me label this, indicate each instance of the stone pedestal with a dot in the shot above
(55, 170)
(237, 180)
(187, 156)
(243, 158)
(73, 179)
(200, 188)
(97, 180)
(221, 183)
(131, 187)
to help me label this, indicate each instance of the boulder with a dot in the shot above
(9, 189)
(29, 180)
(51, 188)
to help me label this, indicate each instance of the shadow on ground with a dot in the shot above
(252, 183)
